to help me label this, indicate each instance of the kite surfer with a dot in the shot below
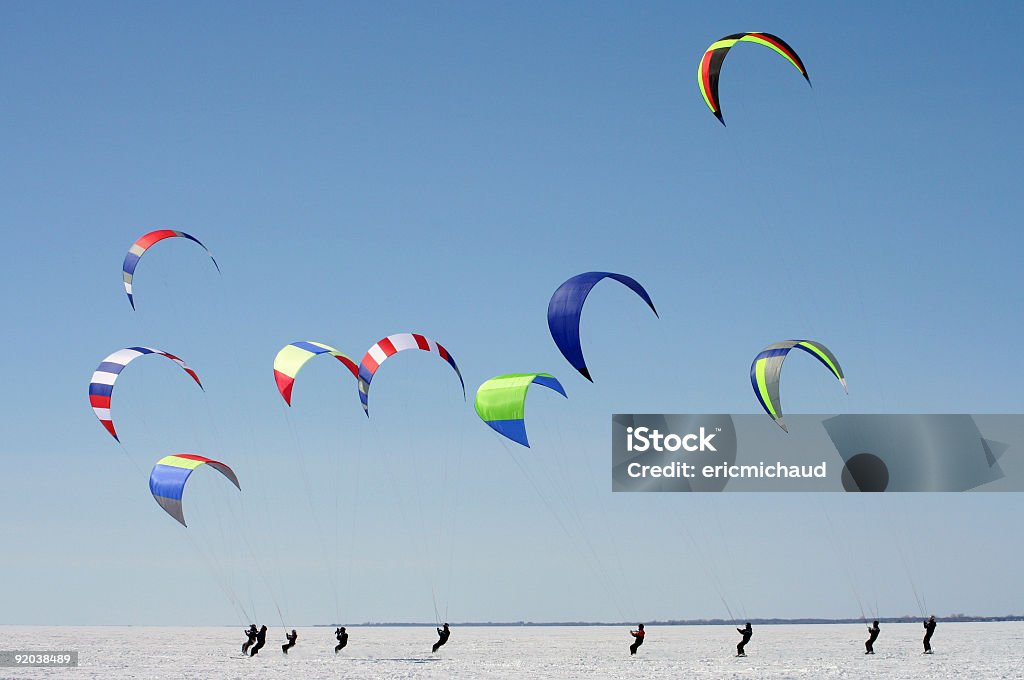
(929, 628)
(261, 639)
(251, 634)
(291, 638)
(638, 634)
(746, 632)
(873, 631)
(442, 638)
(342, 637)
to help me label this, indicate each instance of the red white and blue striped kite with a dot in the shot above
(101, 387)
(145, 242)
(393, 344)
(167, 480)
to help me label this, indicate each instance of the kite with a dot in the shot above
(767, 368)
(167, 480)
(391, 345)
(566, 307)
(101, 387)
(501, 402)
(145, 242)
(290, 360)
(711, 63)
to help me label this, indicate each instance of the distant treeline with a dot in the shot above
(955, 618)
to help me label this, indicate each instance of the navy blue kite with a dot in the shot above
(566, 307)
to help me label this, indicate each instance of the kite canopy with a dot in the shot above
(501, 402)
(391, 345)
(167, 480)
(767, 369)
(290, 360)
(566, 307)
(711, 63)
(145, 242)
(101, 387)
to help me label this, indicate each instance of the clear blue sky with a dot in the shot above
(371, 168)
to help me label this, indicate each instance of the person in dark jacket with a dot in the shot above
(638, 636)
(746, 632)
(929, 628)
(442, 638)
(291, 638)
(342, 637)
(873, 631)
(261, 639)
(251, 634)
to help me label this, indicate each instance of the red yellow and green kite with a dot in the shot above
(711, 63)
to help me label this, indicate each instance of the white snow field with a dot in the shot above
(962, 650)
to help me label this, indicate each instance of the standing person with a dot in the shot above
(342, 637)
(251, 635)
(442, 638)
(261, 639)
(291, 638)
(746, 632)
(929, 628)
(639, 635)
(873, 631)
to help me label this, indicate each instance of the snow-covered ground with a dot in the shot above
(962, 650)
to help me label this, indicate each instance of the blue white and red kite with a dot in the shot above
(391, 345)
(101, 387)
(145, 242)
